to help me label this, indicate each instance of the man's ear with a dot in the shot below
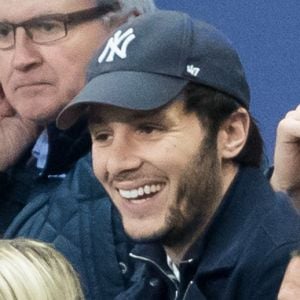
(233, 134)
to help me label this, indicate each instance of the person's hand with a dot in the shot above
(290, 286)
(286, 175)
(16, 134)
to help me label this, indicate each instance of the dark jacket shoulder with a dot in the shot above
(81, 222)
(242, 254)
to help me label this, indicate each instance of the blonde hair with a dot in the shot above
(32, 270)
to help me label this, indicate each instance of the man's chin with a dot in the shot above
(39, 119)
(39, 115)
(142, 238)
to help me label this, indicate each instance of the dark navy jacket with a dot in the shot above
(23, 182)
(242, 255)
(75, 215)
(80, 221)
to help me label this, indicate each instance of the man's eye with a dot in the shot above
(102, 137)
(148, 129)
(48, 26)
(4, 30)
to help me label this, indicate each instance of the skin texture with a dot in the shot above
(37, 81)
(16, 134)
(290, 287)
(166, 148)
(286, 158)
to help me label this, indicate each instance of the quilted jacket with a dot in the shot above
(23, 182)
(76, 216)
(242, 255)
(85, 227)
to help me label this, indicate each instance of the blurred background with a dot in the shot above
(266, 34)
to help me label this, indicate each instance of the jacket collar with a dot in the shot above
(65, 147)
(245, 204)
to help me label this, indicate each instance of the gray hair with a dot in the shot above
(142, 6)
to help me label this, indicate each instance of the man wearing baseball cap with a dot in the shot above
(176, 149)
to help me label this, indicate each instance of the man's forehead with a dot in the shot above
(107, 113)
(18, 11)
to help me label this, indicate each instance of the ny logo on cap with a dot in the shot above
(117, 45)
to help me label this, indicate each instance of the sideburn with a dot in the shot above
(199, 195)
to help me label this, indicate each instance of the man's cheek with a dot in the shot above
(5, 108)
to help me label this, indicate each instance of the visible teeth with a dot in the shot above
(141, 191)
(125, 194)
(147, 189)
(134, 193)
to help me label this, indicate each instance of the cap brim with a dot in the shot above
(126, 89)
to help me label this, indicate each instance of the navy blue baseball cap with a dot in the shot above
(146, 63)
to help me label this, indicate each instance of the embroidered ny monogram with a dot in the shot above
(117, 45)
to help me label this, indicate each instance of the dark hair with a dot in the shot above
(213, 108)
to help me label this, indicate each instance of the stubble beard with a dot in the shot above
(198, 197)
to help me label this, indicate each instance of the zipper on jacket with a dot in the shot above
(160, 269)
(187, 289)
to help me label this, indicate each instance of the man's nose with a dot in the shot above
(123, 156)
(26, 53)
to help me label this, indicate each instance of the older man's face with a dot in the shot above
(39, 80)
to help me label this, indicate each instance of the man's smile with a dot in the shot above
(140, 192)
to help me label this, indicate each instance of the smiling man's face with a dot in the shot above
(158, 169)
(39, 80)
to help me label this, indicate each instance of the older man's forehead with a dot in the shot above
(18, 11)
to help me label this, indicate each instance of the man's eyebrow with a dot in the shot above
(47, 16)
(43, 15)
(159, 115)
(153, 115)
(136, 116)
(93, 121)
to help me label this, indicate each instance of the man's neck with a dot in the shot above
(177, 253)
